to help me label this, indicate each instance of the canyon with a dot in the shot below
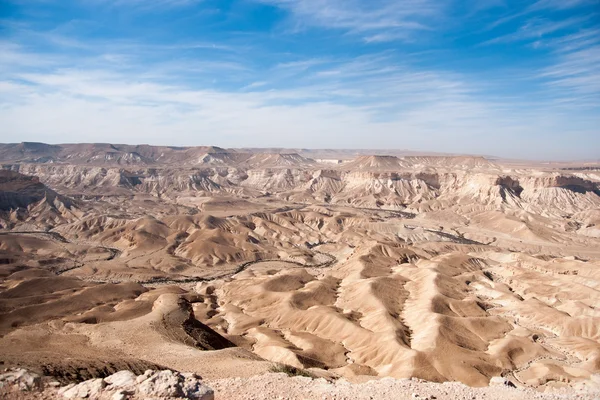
(354, 265)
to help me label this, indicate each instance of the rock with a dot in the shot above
(145, 376)
(194, 389)
(120, 395)
(161, 384)
(120, 386)
(121, 379)
(63, 389)
(22, 379)
(88, 389)
(173, 384)
(500, 381)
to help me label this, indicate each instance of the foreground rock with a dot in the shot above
(22, 384)
(20, 379)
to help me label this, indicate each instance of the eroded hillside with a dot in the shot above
(440, 268)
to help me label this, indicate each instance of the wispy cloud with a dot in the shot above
(540, 5)
(537, 28)
(387, 37)
(559, 4)
(375, 21)
(301, 65)
(363, 82)
(398, 105)
(578, 71)
(581, 39)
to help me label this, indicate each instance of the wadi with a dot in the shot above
(367, 273)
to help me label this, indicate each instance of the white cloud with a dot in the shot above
(538, 28)
(149, 93)
(578, 71)
(402, 108)
(375, 20)
(560, 4)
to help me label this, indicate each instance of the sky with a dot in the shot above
(517, 79)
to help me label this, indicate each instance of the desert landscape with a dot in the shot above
(365, 272)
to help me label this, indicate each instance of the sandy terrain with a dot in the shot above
(279, 386)
(223, 263)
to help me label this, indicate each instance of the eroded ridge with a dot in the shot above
(223, 263)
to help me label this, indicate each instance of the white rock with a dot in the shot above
(120, 395)
(161, 384)
(151, 385)
(145, 376)
(121, 379)
(91, 388)
(22, 378)
(500, 381)
(173, 384)
(496, 381)
(63, 389)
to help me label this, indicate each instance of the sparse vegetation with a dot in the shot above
(290, 370)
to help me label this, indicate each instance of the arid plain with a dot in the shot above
(356, 265)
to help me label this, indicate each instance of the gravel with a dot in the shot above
(280, 386)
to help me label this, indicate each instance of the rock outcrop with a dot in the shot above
(165, 384)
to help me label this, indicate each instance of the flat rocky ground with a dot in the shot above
(280, 386)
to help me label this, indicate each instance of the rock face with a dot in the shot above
(181, 325)
(24, 197)
(122, 385)
(152, 384)
(371, 182)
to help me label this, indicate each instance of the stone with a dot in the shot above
(500, 381)
(63, 389)
(88, 389)
(173, 384)
(161, 384)
(145, 376)
(120, 395)
(121, 379)
(120, 386)
(23, 379)
(194, 389)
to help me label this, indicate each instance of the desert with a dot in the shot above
(387, 275)
(300, 199)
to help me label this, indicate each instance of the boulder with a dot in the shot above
(121, 379)
(500, 381)
(22, 379)
(89, 389)
(173, 384)
(162, 384)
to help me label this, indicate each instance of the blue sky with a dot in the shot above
(517, 79)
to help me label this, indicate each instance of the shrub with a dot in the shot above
(291, 371)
